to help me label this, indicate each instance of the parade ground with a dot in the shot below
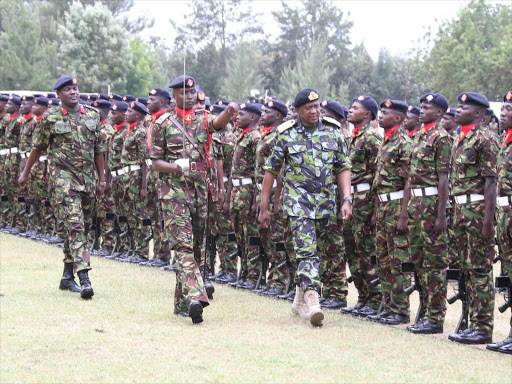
(128, 334)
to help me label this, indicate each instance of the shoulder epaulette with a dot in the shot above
(330, 120)
(286, 125)
(91, 108)
(162, 118)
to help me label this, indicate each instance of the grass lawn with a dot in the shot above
(127, 333)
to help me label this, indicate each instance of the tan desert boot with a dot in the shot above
(298, 305)
(312, 300)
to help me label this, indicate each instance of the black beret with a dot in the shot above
(473, 98)
(217, 109)
(84, 97)
(251, 107)
(84, 102)
(15, 99)
(128, 98)
(369, 103)
(489, 112)
(42, 101)
(102, 96)
(278, 106)
(305, 96)
(51, 95)
(143, 100)
(414, 110)
(39, 95)
(4, 97)
(92, 97)
(27, 98)
(436, 99)
(101, 104)
(161, 93)
(450, 111)
(221, 102)
(115, 96)
(120, 106)
(395, 105)
(183, 81)
(139, 107)
(54, 101)
(334, 107)
(507, 97)
(345, 111)
(65, 80)
(207, 105)
(200, 95)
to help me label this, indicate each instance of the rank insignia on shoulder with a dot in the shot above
(162, 118)
(330, 120)
(286, 125)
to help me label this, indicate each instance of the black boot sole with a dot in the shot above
(87, 294)
(195, 312)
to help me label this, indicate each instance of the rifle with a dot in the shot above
(373, 261)
(115, 229)
(409, 267)
(96, 227)
(5, 199)
(462, 295)
(280, 247)
(35, 213)
(504, 283)
(232, 239)
(256, 241)
(127, 233)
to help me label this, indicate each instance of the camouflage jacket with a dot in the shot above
(115, 147)
(168, 143)
(363, 152)
(430, 154)
(13, 131)
(311, 158)
(474, 159)
(227, 141)
(27, 130)
(504, 178)
(244, 156)
(134, 145)
(393, 164)
(263, 151)
(72, 141)
(3, 125)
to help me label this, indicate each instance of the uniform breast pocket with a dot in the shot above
(329, 150)
(297, 154)
(467, 162)
(63, 134)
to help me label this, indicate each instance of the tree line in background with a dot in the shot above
(229, 53)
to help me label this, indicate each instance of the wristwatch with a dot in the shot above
(103, 183)
(347, 198)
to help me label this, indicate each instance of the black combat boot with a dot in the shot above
(67, 282)
(210, 289)
(85, 283)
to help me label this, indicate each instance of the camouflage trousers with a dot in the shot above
(13, 192)
(310, 239)
(136, 212)
(359, 238)
(118, 196)
(453, 256)
(75, 210)
(333, 267)
(179, 216)
(476, 259)
(244, 223)
(160, 246)
(392, 251)
(429, 252)
(504, 229)
(226, 250)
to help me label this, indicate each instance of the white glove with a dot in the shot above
(184, 164)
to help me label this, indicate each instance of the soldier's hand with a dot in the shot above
(264, 218)
(100, 190)
(440, 225)
(346, 211)
(401, 226)
(225, 207)
(488, 231)
(220, 199)
(232, 108)
(23, 179)
(144, 193)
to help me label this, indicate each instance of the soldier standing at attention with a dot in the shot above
(391, 188)
(312, 151)
(180, 151)
(428, 237)
(474, 191)
(412, 123)
(504, 184)
(4, 98)
(71, 135)
(359, 233)
(449, 124)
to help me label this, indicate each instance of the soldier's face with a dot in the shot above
(429, 113)
(506, 116)
(388, 118)
(154, 104)
(269, 116)
(411, 121)
(69, 95)
(468, 114)
(11, 107)
(2, 106)
(199, 105)
(38, 109)
(245, 119)
(172, 104)
(309, 113)
(357, 113)
(448, 122)
(185, 98)
(118, 117)
(26, 107)
(132, 116)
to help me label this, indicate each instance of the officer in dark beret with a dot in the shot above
(217, 109)
(115, 97)
(84, 99)
(54, 102)
(201, 100)
(412, 122)
(103, 96)
(449, 124)
(92, 97)
(309, 209)
(128, 98)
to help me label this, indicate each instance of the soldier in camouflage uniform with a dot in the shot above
(71, 135)
(4, 98)
(359, 233)
(273, 114)
(180, 151)
(390, 188)
(428, 237)
(412, 123)
(474, 191)
(241, 190)
(313, 151)
(504, 185)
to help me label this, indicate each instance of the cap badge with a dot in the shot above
(509, 95)
(324, 103)
(132, 104)
(313, 96)
(270, 104)
(152, 92)
(360, 98)
(388, 103)
(200, 96)
(430, 97)
(114, 107)
(410, 108)
(464, 97)
(74, 81)
(242, 106)
(190, 82)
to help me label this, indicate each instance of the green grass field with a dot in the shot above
(128, 333)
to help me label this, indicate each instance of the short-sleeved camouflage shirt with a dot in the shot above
(263, 151)
(72, 141)
(393, 164)
(474, 159)
(363, 151)
(504, 178)
(311, 158)
(430, 155)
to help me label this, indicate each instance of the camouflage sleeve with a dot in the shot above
(141, 142)
(158, 143)
(489, 150)
(276, 158)
(443, 154)
(405, 158)
(341, 161)
(99, 145)
(373, 143)
(42, 137)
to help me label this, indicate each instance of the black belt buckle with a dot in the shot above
(193, 166)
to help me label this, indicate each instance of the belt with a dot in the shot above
(198, 166)
(464, 199)
(385, 197)
(127, 169)
(8, 151)
(360, 187)
(25, 155)
(504, 201)
(4, 152)
(149, 162)
(225, 179)
(260, 186)
(43, 158)
(239, 182)
(13, 150)
(420, 192)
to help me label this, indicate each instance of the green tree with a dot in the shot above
(94, 48)
(145, 72)
(361, 74)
